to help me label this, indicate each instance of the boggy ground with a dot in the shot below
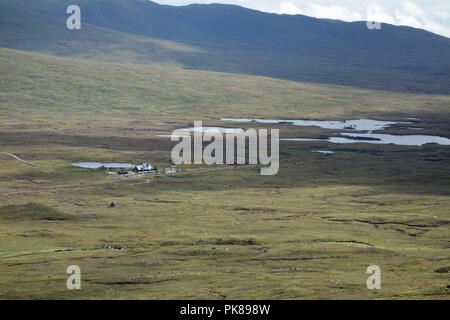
(309, 232)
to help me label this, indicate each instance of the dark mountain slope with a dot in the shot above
(240, 40)
(31, 31)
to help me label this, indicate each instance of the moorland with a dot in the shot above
(216, 232)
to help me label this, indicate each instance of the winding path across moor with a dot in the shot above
(19, 159)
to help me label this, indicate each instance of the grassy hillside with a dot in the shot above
(30, 31)
(238, 40)
(37, 87)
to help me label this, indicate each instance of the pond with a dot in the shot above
(12, 123)
(358, 125)
(214, 130)
(301, 139)
(368, 125)
(96, 165)
(323, 151)
(170, 136)
(401, 140)
(373, 138)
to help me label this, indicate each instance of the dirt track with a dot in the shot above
(19, 159)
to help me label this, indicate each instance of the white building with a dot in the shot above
(146, 167)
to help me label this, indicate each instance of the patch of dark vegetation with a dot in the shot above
(443, 270)
(32, 211)
(205, 252)
(241, 209)
(135, 281)
(64, 250)
(378, 221)
(244, 210)
(169, 243)
(228, 241)
(286, 218)
(239, 242)
(39, 234)
(162, 201)
(297, 258)
(218, 242)
(412, 224)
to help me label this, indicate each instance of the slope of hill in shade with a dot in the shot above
(30, 31)
(239, 40)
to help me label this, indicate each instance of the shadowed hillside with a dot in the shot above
(239, 40)
(30, 31)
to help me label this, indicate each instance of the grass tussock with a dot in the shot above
(443, 270)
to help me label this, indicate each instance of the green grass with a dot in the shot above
(309, 232)
(32, 211)
(94, 92)
(233, 234)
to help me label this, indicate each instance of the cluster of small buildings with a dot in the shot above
(146, 167)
